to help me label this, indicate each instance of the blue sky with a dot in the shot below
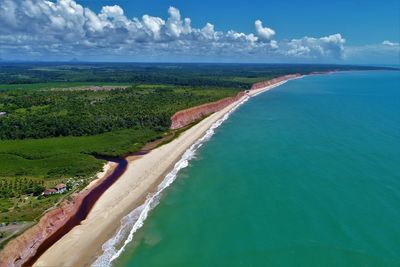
(361, 21)
(209, 30)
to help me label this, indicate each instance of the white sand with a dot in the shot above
(83, 243)
(107, 169)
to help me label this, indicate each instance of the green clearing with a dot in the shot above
(50, 161)
(46, 158)
(248, 80)
(27, 208)
(55, 85)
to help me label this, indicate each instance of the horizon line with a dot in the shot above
(194, 62)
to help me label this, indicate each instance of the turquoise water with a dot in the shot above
(307, 174)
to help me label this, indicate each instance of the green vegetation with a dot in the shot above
(53, 125)
(18, 186)
(41, 114)
(216, 75)
(46, 158)
(27, 166)
(26, 207)
(55, 85)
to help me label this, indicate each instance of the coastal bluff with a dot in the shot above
(263, 84)
(185, 117)
(23, 247)
(19, 251)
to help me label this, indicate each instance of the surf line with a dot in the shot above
(132, 222)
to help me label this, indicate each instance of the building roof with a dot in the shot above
(60, 186)
(49, 191)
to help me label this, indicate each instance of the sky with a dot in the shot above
(291, 31)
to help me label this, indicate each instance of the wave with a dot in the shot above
(135, 219)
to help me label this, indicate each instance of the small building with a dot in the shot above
(3, 114)
(61, 188)
(49, 192)
(58, 189)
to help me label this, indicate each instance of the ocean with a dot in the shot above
(307, 174)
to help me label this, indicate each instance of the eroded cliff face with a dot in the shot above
(185, 117)
(23, 247)
(19, 250)
(274, 81)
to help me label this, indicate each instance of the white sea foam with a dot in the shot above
(135, 219)
(269, 87)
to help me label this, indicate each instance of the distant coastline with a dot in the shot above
(27, 248)
(143, 175)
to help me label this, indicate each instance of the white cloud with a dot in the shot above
(331, 46)
(152, 26)
(264, 33)
(385, 52)
(274, 44)
(67, 28)
(42, 29)
(389, 43)
(208, 31)
(175, 26)
(239, 36)
(7, 11)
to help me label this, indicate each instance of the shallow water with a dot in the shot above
(307, 174)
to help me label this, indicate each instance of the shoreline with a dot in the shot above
(58, 220)
(81, 205)
(141, 177)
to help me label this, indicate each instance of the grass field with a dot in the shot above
(54, 85)
(46, 158)
(246, 80)
(55, 160)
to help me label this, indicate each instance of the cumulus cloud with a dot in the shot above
(175, 26)
(264, 33)
(152, 26)
(331, 46)
(62, 29)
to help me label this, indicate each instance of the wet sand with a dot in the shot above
(83, 244)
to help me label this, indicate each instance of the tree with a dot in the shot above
(38, 189)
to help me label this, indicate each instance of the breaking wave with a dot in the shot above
(135, 219)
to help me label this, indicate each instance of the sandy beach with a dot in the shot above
(83, 244)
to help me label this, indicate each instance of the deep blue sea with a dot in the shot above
(307, 174)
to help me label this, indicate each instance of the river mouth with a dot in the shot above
(87, 201)
(87, 204)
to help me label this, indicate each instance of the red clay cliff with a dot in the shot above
(23, 247)
(274, 81)
(185, 117)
